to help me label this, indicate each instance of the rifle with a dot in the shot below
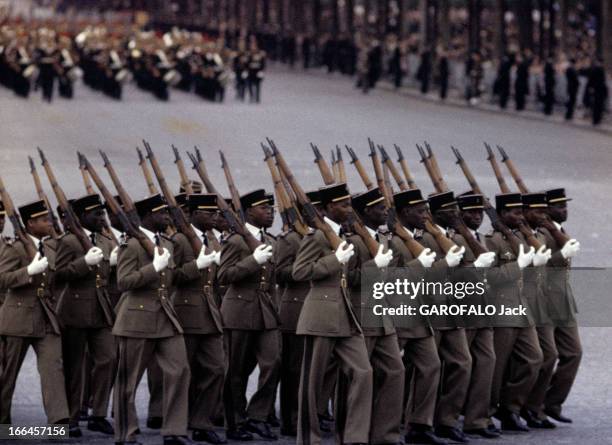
(334, 166)
(70, 220)
(360, 170)
(55, 229)
(232, 187)
(404, 164)
(86, 180)
(392, 169)
(147, 173)
(180, 165)
(291, 215)
(340, 165)
(177, 214)
(116, 210)
(513, 171)
(235, 224)
(430, 169)
(431, 157)
(309, 209)
(496, 170)
(378, 171)
(126, 200)
(19, 230)
(328, 177)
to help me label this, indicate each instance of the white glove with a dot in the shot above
(204, 260)
(570, 249)
(485, 259)
(113, 256)
(383, 259)
(344, 252)
(38, 265)
(454, 256)
(542, 256)
(160, 261)
(217, 258)
(525, 258)
(94, 256)
(262, 253)
(427, 257)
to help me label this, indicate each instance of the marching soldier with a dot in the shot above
(330, 326)
(199, 314)
(86, 314)
(27, 317)
(149, 330)
(416, 338)
(257, 64)
(250, 318)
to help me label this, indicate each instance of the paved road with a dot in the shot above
(296, 110)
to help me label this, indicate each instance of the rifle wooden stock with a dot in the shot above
(319, 223)
(146, 173)
(443, 241)
(334, 166)
(55, 229)
(430, 170)
(559, 237)
(340, 165)
(400, 231)
(466, 172)
(126, 200)
(360, 169)
(71, 221)
(378, 172)
(496, 170)
(177, 214)
(404, 165)
(392, 169)
(326, 174)
(235, 224)
(86, 179)
(529, 236)
(431, 157)
(13, 217)
(116, 210)
(476, 247)
(232, 187)
(180, 165)
(360, 229)
(513, 171)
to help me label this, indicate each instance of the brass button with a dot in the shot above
(44, 274)
(209, 282)
(42, 284)
(163, 298)
(295, 299)
(19, 303)
(76, 296)
(163, 285)
(239, 296)
(263, 267)
(186, 301)
(141, 306)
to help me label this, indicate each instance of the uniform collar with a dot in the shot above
(373, 233)
(198, 232)
(409, 231)
(333, 224)
(87, 232)
(116, 232)
(36, 240)
(442, 229)
(149, 234)
(255, 231)
(217, 234)
(557, 225)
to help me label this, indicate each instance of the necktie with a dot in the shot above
(41, 249)
(157, 240)
(205, 239)
(92, 237)
(377, 236)
(477, 236)
(261, 236)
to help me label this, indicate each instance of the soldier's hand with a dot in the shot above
(524, 259)
(160, 261)
(427, 257)
(38, 265)
(570, 249)
(454, 256)
(204, 260)
(113, 256)
(262, 253)
(94, 256)
(383, 259)
(542, 256)
(217, 258)
(485, 259)
(344, 252)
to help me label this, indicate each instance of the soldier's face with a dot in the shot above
(558, 212)
(161, 219)
(416, 216)
(512, 217)
(535, 217)
(94, 220)
(377, 213)
(472, 218)
(40, 226)
(339, 211)
(204, 220)
(262, 215)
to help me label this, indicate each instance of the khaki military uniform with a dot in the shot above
(330, 325)
(2, 297)
(86, 315)
(200, 317)
(27, 318)
(250, 319)
(148, 330)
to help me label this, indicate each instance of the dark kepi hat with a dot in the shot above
(366, 199)
(408, 198)
(33, 210)
(256, 198)
(441, 201)
(508, 201)
(2, 209)
(60, 212)
(534, 200)
(149, 205)
(556, 195)
(470, 202)
(181, 199)
(334, 193)
(314, 196)
(86, 203)
(206, 201)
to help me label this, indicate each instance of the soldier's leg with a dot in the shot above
(476, 409)
(49, 362)
(568, 344)
(355, 364)
(503, 344)
(155, 384)
(74, 343)
(423, 356)
(328, 388)
(171, 355)
(291, 361)
(103, 355)
(455, 355)
(526, 360)
(317, 351)
(239, 347)
(210, 361)
(15, 349)
(134, 354)
(267, 352)
(191, 347)
(535, 400)
(388, 394)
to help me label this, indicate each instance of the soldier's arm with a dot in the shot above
(70, 264)
(129, 275)
(408, 267)
(12, 273)
(501, 273)
(310, 264)
(184, 259)
(233, 267)
(284, 256)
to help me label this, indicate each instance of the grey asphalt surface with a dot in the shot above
(300, 108)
